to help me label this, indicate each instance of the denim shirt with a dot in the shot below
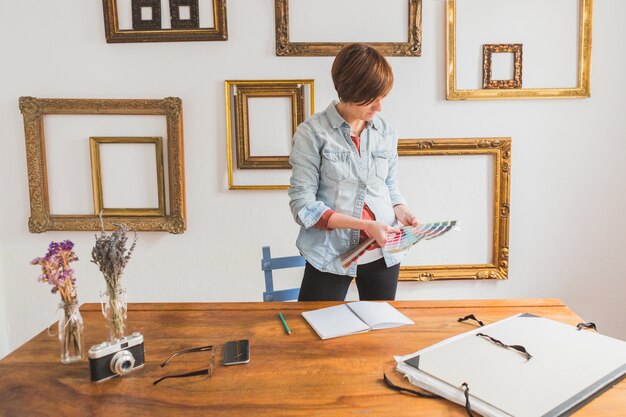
(328, 172)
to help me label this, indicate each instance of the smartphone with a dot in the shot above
(236, 352)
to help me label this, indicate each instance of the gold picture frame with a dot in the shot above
(582, 90)
(114, 34)
(96, 176)
(237, 117)
(41, 220)
(295, 92)
(412, 47)
(500, 149)
(488, 51)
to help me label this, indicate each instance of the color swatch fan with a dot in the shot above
(401, 241)
(411, 235)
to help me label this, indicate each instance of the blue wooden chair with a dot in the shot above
(268, 264)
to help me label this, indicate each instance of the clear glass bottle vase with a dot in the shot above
(71, 332)
(114, 308)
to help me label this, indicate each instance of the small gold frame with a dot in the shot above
(114, 35)
(260, 88)
(41, 220)
(96, 177)
(488, 51)
(413, 46)
(582, 90)
(500, 148)
(242, 128)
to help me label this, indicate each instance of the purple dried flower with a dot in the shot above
(56, 270)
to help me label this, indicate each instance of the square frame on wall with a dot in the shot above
(582, 90)
(293, 91)
(96, 176)
(500, 149)
(181, 31)
(237, 93)
(41, 220)
(284, 47)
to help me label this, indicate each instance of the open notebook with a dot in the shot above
(352, 318)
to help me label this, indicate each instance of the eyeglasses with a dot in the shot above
(207, 371)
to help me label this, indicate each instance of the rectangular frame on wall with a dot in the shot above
(412, 47)
(582, 90)
(500, 149)
(114, 34)
(295, 92)
(96, 176)
(237, 117)
(41, 220)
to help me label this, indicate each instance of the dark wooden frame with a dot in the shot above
(194, 14)
(488, 51)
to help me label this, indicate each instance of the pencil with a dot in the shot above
(282, 319)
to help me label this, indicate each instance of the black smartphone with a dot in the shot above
(236, 352)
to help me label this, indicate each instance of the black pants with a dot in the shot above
(374, 280)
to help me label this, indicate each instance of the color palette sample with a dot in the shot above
(411, 235)
(401, 241)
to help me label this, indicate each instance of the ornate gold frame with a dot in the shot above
(500, 148)
(114, 35)
(259, 88)
(96, 177)
(41, 220)
(583, 89)
(242, 128)
(488, 51)
(413, 46)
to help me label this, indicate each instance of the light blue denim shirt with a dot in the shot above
(328, 172)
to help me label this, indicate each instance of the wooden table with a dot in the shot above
(297, 375)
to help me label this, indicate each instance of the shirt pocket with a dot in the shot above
(336, 165)
(381, 163)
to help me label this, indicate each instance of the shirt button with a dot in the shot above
(363, 185)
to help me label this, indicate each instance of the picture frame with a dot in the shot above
(41, 220)
(499, 150)
(97, 180)
(284, 47)
(181, 31)
(488, 51)
(581, 90)
(295, 92)
(239, 154)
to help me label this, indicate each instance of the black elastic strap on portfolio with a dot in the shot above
(589, 325)
(518, 348)
(468, 408)
(471, 317)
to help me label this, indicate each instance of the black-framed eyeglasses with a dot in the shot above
(207, 371)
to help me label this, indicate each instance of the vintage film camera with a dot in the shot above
(117, 357)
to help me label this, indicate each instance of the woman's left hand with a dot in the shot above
(404, 216)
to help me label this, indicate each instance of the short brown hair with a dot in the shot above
(361, 74)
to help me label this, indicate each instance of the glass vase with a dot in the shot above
(71, 332)
(114, 308)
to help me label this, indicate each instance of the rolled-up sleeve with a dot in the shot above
(392, 177)
(305, 162)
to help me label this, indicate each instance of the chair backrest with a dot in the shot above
(268, 264)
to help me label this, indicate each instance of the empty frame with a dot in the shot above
(366, 18)
(59, 164)
(119, 163)
(467, 180)
(555, 66)
(261, 119)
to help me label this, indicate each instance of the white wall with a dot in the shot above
(568, 204)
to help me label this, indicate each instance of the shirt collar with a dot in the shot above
(337, 121)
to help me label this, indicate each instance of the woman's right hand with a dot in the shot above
(379, 231)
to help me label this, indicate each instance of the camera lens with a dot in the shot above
(122, 362)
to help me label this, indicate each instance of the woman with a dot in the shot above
(344, 183)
